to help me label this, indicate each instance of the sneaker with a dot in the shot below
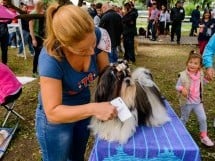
(207, 141)
(32, 54)
(12, 46)
(153, 39)
(20, 55)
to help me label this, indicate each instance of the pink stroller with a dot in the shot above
(10, 90)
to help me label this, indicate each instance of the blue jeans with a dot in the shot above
(61, 142)
(198, 109)
(27, 40)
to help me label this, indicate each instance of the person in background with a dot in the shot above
(4, 35)
(97, 18)
(190, 88)
(35, 28)
(164, 20)
(129, 31)
(213, 13)
(195, 19)
(208, 58)
(177, 15)
(26, 34)
(149, 6)
(92, 10)
(74, 53)
(153, 20)
(205, 30)
(112, 22)
(208, 7)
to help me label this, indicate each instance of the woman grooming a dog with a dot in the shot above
(190, 88)
(71, 58)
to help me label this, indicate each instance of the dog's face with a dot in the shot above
(115, 81)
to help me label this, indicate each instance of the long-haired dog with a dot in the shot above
(145, 105)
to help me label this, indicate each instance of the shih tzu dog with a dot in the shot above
(139, 93)
(153, 97)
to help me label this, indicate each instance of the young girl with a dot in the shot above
(164, 19)
(190, 88)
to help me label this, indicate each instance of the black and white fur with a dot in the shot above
(159, 114)
(117, 81)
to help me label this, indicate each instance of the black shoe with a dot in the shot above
(178, 42)
(153, 39)
(172, 40)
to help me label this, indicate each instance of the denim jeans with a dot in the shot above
(14, 37)
(27, 40)
(61, 142)
(153, 27)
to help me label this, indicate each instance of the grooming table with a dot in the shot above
(170, 142)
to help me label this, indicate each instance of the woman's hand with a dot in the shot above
(34, 42)
(105, 111)
(210, 73)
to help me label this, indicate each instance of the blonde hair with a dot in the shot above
(194, 54)
(66, 25)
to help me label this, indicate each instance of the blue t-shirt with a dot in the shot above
(75, 85)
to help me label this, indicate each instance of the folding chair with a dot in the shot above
(10, 90)
(7, 132)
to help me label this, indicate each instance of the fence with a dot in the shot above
(143, 15)
(144, 18)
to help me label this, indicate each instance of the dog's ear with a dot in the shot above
(143, 105)
(157, 92)
(106, 87)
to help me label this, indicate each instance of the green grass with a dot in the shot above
(164, 63)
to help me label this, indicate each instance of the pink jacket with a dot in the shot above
(9, 84)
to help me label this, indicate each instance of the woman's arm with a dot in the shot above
(180, 88)
(51, 93)
(207, 58)
(31, 29)
(102, 60)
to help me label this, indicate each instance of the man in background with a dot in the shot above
(177, 16)
(195, 19)
(112, 22)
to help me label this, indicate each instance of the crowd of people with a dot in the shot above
(67, 62)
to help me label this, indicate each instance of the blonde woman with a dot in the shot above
(70, 60)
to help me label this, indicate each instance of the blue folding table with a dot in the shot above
(170, 142)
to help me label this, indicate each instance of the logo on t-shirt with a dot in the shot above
(83, 83)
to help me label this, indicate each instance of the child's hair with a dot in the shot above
(194, 54)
